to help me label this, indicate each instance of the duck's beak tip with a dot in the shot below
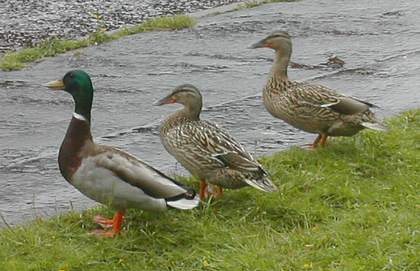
(256, 45)
(55, 85)
(157, 103)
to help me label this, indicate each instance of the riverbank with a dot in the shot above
(350, 206)
(49, 30)
(28, 24)
(52, 47)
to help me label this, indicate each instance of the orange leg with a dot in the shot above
(317, 139)
(115, 223)
(215, 190)
(323, 140)
(313, 145)
(218, 191)
(203, 190)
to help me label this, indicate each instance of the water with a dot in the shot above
(379, 40)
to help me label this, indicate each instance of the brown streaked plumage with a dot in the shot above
(310, 107)
(205, 150)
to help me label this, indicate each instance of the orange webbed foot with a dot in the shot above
(114, 223)
(319, 141)
(103, 221)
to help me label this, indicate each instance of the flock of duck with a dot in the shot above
(118, 179)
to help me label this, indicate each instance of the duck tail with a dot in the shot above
(185, 201)
(374, 126)
(263, 184)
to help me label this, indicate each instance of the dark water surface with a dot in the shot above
(379, 41)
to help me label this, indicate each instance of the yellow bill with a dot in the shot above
(55, 85)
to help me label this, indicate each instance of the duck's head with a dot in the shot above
(79, 85)
(186, 95)
(278, 40)
(76, 82)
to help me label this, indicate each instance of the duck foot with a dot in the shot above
(209, 189)
(114, 223)
(215, 190)
(103, 221)
(320, 140)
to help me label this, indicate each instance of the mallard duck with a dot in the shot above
(310, 107)
(205, 150)
(109, 175)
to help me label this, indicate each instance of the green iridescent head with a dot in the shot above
(79, 85)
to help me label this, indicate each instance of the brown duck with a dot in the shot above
(310, 107)
(205, 150)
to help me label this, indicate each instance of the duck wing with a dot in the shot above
(205, 144)
(318, 96)
(218, 145)
(137, 173)
(238, 162)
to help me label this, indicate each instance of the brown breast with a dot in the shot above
(70, 155)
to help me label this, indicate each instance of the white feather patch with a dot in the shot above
(79, 117)
(328, 105)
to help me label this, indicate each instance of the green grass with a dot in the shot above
(354, 205)
(17, 59)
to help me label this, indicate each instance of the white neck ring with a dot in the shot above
(79, 117)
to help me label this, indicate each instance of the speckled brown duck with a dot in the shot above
(205, 150)
(310, 107)
(109, 175)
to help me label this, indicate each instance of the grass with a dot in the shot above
(353, 205)
(17, 59)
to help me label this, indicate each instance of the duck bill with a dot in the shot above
(55, 85)
(167, 100)
(260, 44)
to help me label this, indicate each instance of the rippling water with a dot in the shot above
(379, 40)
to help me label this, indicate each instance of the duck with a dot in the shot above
(107, 174)
(207, 151)
(310, 107)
